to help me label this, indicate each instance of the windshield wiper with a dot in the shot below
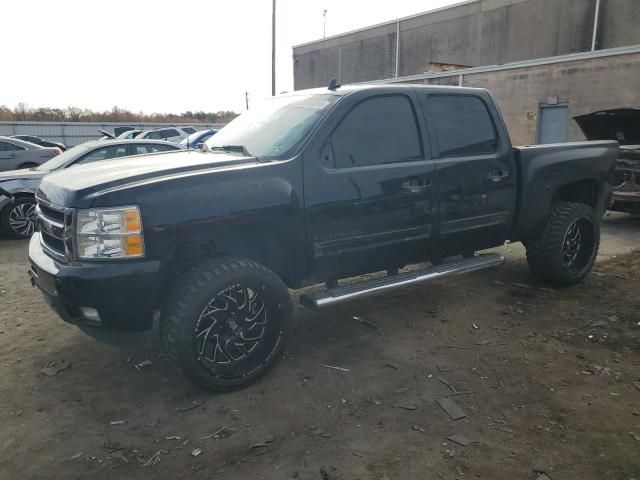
(233, 148)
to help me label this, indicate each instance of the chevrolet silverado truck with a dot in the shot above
(308, 188)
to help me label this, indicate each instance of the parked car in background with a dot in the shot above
(622, 125)
(40, 141)
(17, 188)
(172, 134)
(120, 132)
(196, 139)
(130, 134)
(16, 154)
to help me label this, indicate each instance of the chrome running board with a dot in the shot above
(323, 298)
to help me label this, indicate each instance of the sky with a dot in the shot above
(166, 56)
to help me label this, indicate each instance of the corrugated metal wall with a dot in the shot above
(481, 32)
(74, 133)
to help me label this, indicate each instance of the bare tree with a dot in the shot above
(22, 112)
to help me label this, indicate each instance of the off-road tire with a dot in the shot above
(194, 293)
(545, 254)
(6, 218)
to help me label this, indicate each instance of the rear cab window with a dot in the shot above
(462, 125)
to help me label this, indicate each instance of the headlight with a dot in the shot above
(109, 233)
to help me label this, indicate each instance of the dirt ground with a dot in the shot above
(544, 376)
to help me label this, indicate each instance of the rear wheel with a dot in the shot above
(19, 219)
(566, 249)
(226, 322)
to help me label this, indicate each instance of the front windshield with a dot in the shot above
(274, 128)
(63, 159)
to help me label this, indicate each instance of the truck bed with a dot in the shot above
(542, 169)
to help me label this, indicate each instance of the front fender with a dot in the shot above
(12, 188)
(19, 186)
(4, 200)
(255, 211)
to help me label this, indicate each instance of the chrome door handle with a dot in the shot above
(497, 175)
(416, 184)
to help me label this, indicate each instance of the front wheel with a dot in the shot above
(19, 219)
(226, 322)
(566, 249)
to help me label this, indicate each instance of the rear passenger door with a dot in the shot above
(11, 156)
(475, 170)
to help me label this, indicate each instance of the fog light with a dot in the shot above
(90, 314)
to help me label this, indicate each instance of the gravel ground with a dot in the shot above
(545, 378)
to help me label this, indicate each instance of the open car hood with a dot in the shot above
(621, 124)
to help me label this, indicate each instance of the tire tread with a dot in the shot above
(542, 251)
(188, 285)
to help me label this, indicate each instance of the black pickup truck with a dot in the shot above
(307, 188)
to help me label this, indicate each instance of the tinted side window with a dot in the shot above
(378, 130)
(141, 149)
(10, 147)
(170, 133)
(159, 148)
(104, 153)
(189, 130)
(462, 125)
(154, 135)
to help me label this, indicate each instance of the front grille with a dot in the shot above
(55, 215)
(53, 243)
(55, 223)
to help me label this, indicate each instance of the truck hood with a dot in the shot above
(76, 186)
(621, 124)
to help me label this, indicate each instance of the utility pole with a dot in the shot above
(246, 99)
(273, 50)
(324, 22)
(596, 19)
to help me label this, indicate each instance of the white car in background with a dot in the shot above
(129, 134)
(171, 134)
(18, 154)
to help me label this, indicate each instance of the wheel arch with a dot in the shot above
(582, 191)
(533, 215)
(263, 246)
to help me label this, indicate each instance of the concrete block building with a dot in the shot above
(545, 61)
